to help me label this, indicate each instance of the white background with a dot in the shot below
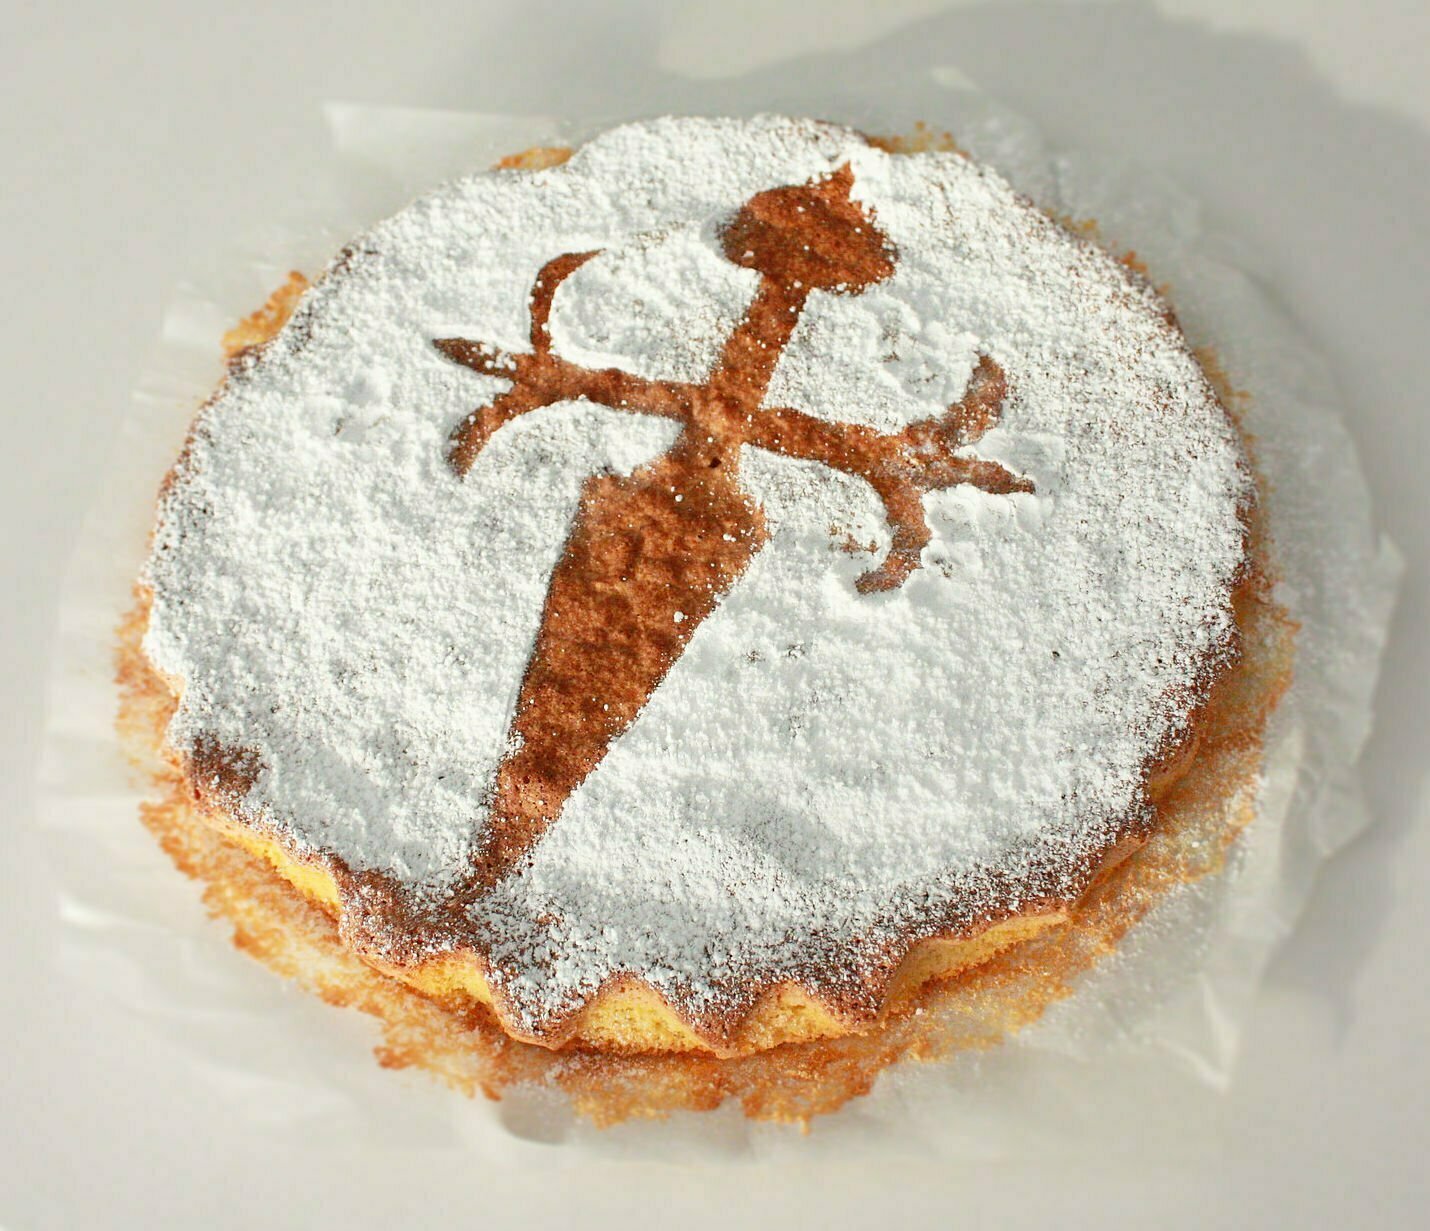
(136, 139)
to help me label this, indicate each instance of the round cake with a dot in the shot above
(691, 595)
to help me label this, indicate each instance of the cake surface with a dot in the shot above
(725, 565)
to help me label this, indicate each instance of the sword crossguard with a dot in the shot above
(798, 238)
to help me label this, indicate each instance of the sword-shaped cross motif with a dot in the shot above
(650, 555)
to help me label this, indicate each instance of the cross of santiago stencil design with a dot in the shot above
(650, 555)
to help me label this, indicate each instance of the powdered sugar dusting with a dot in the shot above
(822, 770)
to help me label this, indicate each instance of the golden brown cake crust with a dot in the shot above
(461, 1043)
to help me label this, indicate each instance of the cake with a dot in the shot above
(694, 596)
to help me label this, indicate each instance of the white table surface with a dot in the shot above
(135, 137)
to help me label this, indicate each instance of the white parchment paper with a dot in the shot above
(1151, 1035)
